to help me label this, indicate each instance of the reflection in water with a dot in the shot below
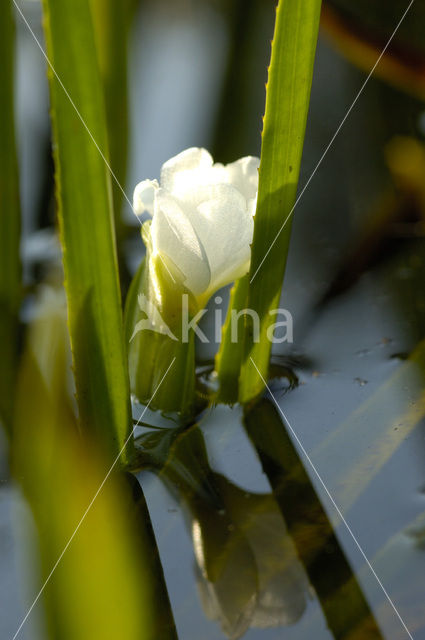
(346, 610)
(257, 554)
(247, 570)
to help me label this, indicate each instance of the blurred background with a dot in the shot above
(354, 283)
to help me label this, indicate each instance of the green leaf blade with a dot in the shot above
(287, 102)
(86, 222)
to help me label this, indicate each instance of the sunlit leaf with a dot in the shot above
(10, 271)
(287, 101)
(86, 222)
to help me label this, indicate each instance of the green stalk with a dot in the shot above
(287, 101)
(86, 223)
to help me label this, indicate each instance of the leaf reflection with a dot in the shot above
(345, 608)
(259, 556)
(247, 570)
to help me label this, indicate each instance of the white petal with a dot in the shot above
(226, 194)
(235, 268)
(187, 161)
(144, 196)
(202, 217)
(173, 236)
(225, 229)
(243, 174)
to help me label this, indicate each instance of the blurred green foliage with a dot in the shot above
(10, 266)
(95, 553)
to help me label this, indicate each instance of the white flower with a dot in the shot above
(202, 218)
